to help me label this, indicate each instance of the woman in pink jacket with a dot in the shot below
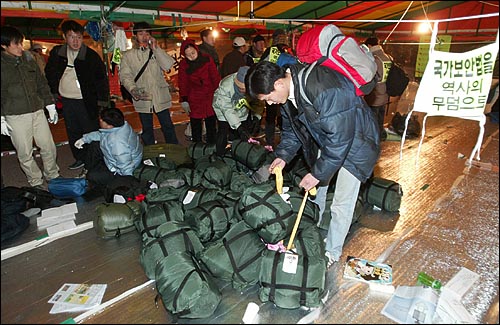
(198, 80)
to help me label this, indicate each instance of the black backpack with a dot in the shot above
(397, 80)
(13, 222)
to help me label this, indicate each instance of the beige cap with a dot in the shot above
(239, 41)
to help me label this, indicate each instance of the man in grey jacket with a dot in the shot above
(150, 92)
(25, 93)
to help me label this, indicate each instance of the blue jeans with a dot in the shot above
(342, 210)
(167, 127)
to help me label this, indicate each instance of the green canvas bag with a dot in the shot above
(197, 150)
(209, 220)
(236, 257)
(292, 288)
(114, 219)
(158, 174)
(216, 173)
(249, 154)
(176, 152)
(264, 210)
(383, 193)
(169, 238)
(166, 193)
(157, 214)
(186, 290)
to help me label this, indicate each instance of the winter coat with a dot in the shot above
(24, 88)
(120, 146)
(231, 63)
(152, 79)
(90, 71)
(226, 100)
(198, 87)
(339, 123)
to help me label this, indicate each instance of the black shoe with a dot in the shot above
(76, 165)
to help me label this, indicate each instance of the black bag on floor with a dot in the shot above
(398, 125)
(126, 186)
(13, 222)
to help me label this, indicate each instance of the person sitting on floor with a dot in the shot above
(114, 150)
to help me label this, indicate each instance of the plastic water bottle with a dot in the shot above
(427, 280)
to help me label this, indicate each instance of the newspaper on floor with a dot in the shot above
(74, 297)
(412, 305)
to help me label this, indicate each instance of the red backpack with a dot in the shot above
(330, 47)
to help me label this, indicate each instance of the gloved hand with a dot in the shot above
(243, 132)
(53, 117)
(79, 143)
(6, 128)
(185, 107)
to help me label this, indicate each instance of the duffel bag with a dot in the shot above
(215, 173)
(175, 152)
(209, 220)
(162, 162)
(115, 219)
(240, 181)
(157, 214)
(310, 214)
(197, 150)
(67, 187)
(191, 175)
(383, 193)
(195, 196)
(167, 193)
(264, 210)
(300, 283)
(157, 174)
(236, 257)
(169, 238)
(249, 154)
(186, 290)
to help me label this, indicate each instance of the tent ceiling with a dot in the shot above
(41, 19)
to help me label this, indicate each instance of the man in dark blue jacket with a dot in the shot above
(335, 129)
(77, 74)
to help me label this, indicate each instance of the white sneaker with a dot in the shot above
(331, 259)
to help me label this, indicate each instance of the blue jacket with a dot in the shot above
(121, 148)
(338, 123)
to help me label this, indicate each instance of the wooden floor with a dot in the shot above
(448, 219)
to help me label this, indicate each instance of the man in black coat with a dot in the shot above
(77, 75)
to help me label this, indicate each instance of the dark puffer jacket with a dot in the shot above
(341, 124)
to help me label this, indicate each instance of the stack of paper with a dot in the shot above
(58, 219)
(72, 297)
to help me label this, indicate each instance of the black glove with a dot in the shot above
(243, 132)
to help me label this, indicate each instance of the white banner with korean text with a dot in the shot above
(457, 85)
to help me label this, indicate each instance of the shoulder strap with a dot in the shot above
(139, 74)
(302, 77)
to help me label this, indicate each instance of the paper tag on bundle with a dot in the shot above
(290, 263)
